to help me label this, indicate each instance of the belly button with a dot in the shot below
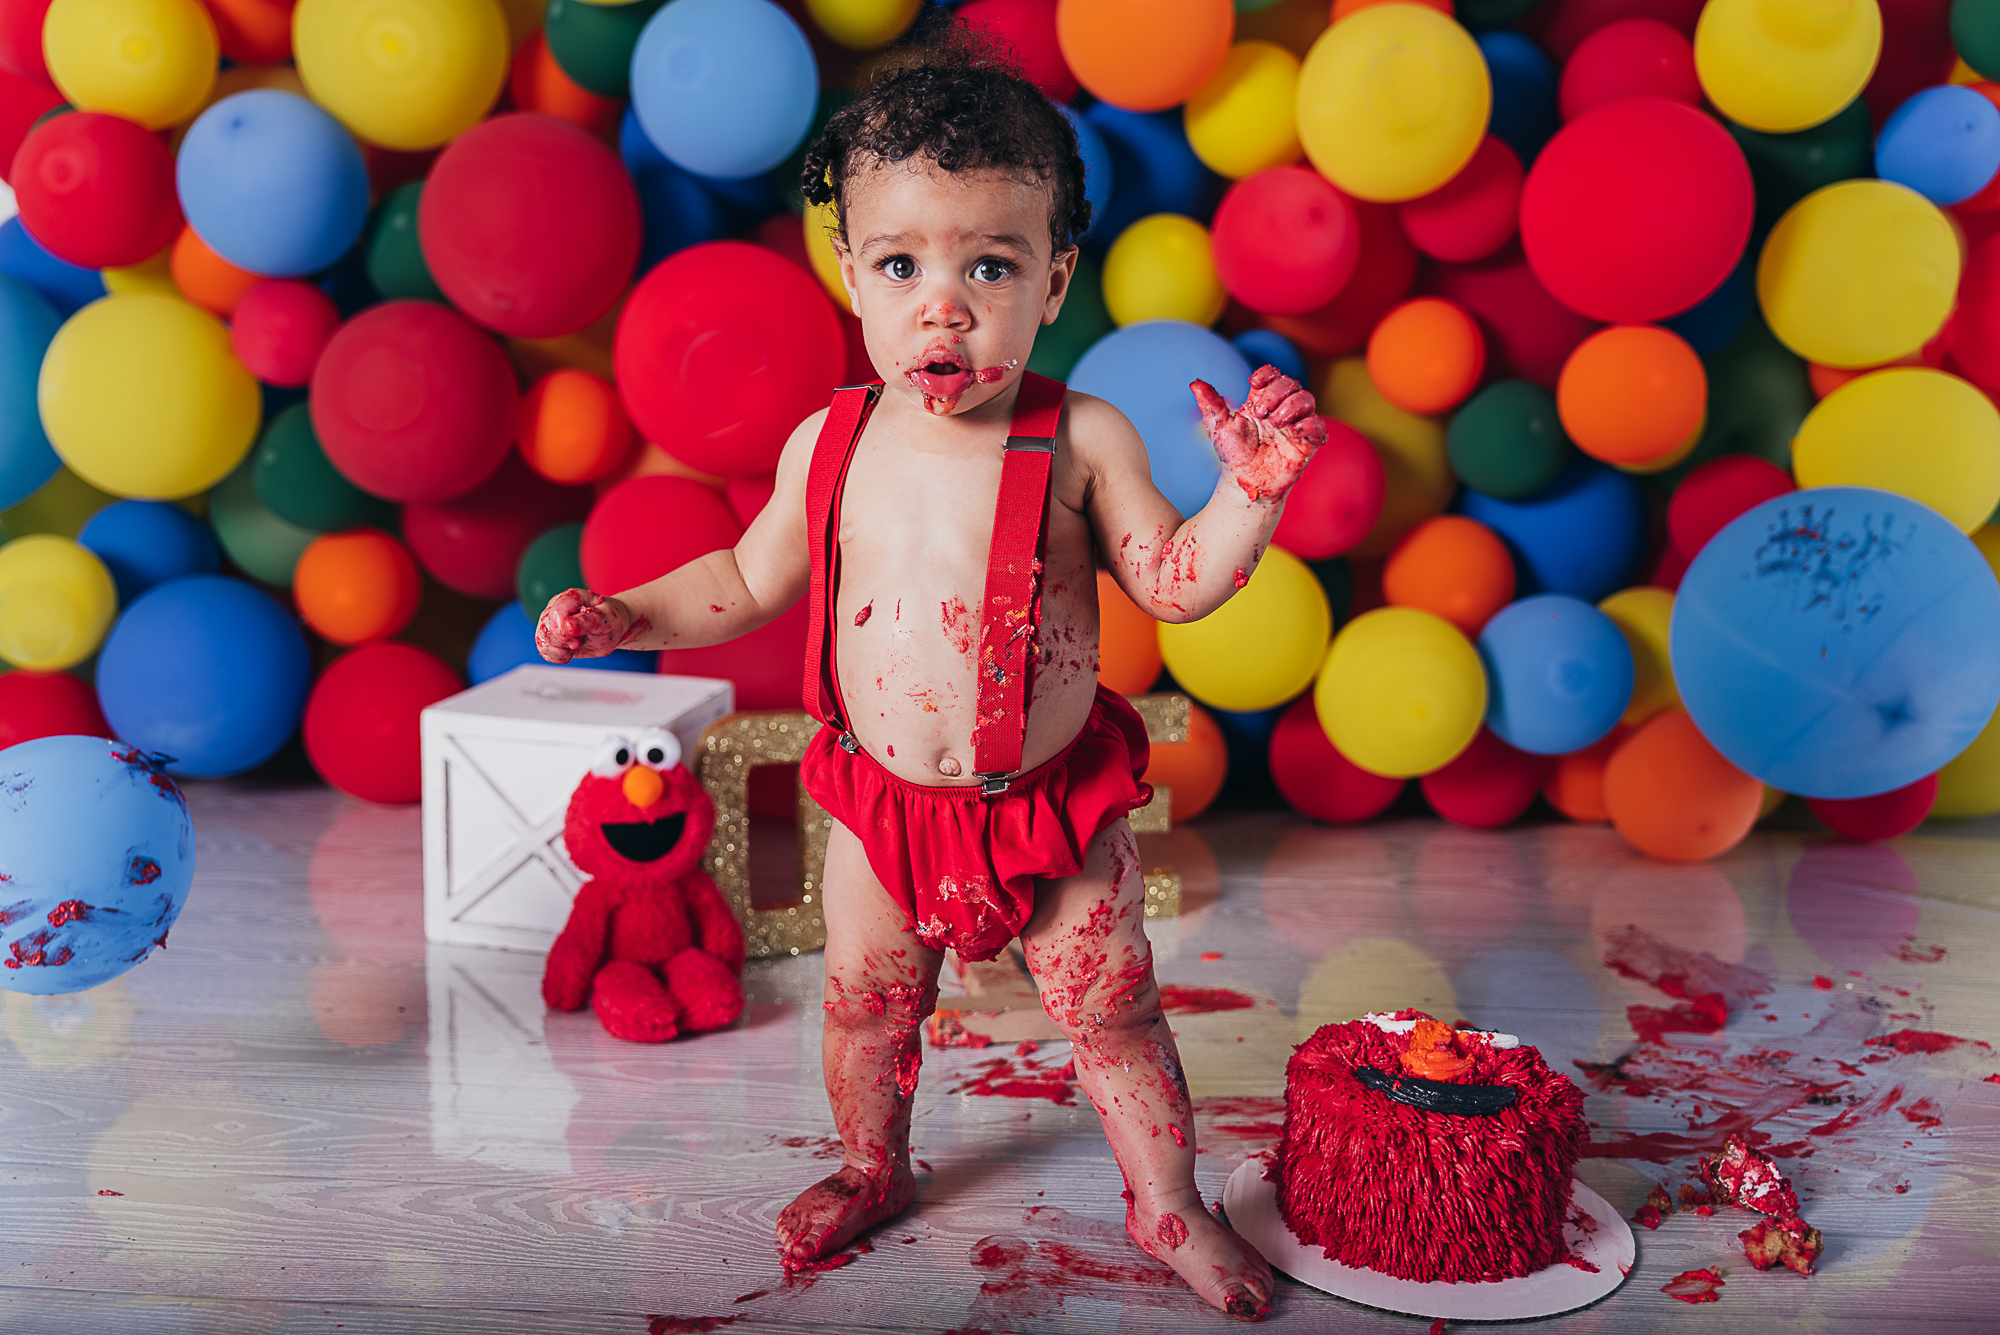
(948, 767)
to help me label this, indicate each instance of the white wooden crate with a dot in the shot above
(500, 761)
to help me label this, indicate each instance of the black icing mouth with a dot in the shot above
(1438, 1096)
(645, 841)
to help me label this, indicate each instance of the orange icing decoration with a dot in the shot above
(1433, 1052)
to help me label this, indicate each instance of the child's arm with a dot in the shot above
(710, 599)
(1181, 570)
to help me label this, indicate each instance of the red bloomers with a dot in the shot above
(963, 866)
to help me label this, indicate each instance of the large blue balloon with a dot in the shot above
(143, 543)
(1525, 111)
(208, 670)
(677, 208)
(1143, 370)
(1583, 534)
(1099, 175)
(67, 287)
(98, 855)
(1153, 169)
(1943, 143)
(272, 183)
(507, 641)
(1838, 642)
(27, 324)
(1558, 674)
(724, 87)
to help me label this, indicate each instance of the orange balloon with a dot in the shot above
(205, 278)
(1673, 796)
(539, 84)
(1128, 641)
(253, 32)
(1575, 785)
(1454, 567)
(1426, 355)
(1342, 8)
(356, 586)
(573, 429)
(1144, 55)
(1192, 771)
(1632, 394)
(1826, 379)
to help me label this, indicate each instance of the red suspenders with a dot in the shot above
(1013, 570)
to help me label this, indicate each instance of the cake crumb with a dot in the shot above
(1694, 1286)
(1437, 1326)
(1793, 1243)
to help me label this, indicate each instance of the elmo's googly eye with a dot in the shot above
(611, 758)
(658, 749)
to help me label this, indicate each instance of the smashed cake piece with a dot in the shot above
(1749, 1178)
(1657, 1207)
(1791, 1242)
(1694, 1286)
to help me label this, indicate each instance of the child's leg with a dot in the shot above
(1087, 947)
(881, 984)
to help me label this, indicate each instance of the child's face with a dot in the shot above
(951, 275)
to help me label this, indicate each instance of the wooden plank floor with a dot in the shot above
(298, 1118)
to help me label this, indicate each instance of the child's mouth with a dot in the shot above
(947, 376)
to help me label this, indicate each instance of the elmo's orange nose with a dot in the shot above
(643, 786)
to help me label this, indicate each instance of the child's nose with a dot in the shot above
(944, 307)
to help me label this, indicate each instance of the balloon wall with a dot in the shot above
(1658, 343)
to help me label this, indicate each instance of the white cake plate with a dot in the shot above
(1252, 1206)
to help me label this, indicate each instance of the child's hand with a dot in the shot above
(1264, 444)
(579, 624)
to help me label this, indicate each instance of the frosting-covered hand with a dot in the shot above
(1266, 443)
(579, 624)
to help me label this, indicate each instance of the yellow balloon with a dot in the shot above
(822, 221)
(1259, 649)
(1859, 273)
(56, 602)
(861, 25)
(141, 396)
(1911, 430)
(405, 74)
(1970, 785)
(1641, 615)
(1420, 480)
(1987, 540)
(1246, 118)
(1163, 268)
(151, 61)
(1393, 100)
(1402, 692)
(1784, 65)
(154, 275)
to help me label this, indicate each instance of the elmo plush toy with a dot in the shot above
(650, 943)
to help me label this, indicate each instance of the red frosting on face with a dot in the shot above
(599, 802)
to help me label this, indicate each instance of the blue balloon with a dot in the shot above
(1583, 534)
(1261, 347)
(1143, 370)
(508, 640)
(725, 87)
(67, 287)
(1943, 143)
(1713, 323)
(1838, 641)
(272, 183)
(27, 324)
(1525, 110)
(1153, 169)
(143, 543)
(99, 854)
(1099, 175)
(1558, 674)
(208, 670)
(676, 207)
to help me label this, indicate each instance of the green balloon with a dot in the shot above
(1758, 394)
(1785, 168)
(1491, 13)
(593, 43)
(552, 563)
(395, 256)
(299, 484)
(1082, 322)
(265, 547)
(1507, 440)
(1975, 31)
(59, 506)
(1336, 577)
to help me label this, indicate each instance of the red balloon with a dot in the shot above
(412, 403)
(1285, 240)
(1337, 500)
(97, 190)
(722, 350)
(768, 665)
(1474, 213)
(1975, 347)
(1489, 785)
(646, 526)
(279, 329)
(1316, 779)
(21, 41)
(530, 224)
(1883, 816)
(1629, 58)
(473, 544)
(749, 495)
(1027, 29)
(1716, 493)
(1637, 210)
(21, 104)
(1916, 53)
(47, 704)
(253, 32)
(1529, 333)
(361, 719)
(1561, 27)
(1382, 277)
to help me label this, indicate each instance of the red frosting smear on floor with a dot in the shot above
(1906, 1041)
(675, 1325)
(1912, 953)
(1020, 1078)
(1253, 1118)
(1693, 1286)
(1177, 999)
(1059, 1255)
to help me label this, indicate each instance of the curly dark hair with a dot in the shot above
(957, 99)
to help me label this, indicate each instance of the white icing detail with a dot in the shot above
(1388, 1024)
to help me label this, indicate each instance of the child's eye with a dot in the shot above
(990, 270)
(899, 268)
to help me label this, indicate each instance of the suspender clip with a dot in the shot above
(994, 785)
(849, 745)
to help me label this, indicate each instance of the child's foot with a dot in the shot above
(1225, 1270)
(835, 1210)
